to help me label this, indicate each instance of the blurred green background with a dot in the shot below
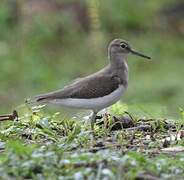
(44, 44)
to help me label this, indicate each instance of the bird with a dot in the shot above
(98, 90)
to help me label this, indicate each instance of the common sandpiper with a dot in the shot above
(99, 90)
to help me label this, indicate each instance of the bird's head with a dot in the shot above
(122, 48)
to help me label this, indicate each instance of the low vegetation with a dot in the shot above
(124, 146)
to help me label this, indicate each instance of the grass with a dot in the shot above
(42, 146)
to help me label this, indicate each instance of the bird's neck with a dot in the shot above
(119, 67)
(118, 61)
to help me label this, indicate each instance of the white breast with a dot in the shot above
(93, 103)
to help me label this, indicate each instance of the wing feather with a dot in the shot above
(87, 88)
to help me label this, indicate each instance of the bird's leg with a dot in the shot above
(106, 120)
(93, 120)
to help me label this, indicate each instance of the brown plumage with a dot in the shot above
(86, 88)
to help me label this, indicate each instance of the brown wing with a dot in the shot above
(92, 87)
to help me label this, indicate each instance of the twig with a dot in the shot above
(13, 116)
(141, 128)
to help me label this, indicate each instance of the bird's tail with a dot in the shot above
(37, 100)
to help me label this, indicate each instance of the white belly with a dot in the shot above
(93, 103)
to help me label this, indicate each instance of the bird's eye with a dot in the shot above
(123, 45)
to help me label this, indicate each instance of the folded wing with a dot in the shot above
(87, 88)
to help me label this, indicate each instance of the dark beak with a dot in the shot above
(139, 54)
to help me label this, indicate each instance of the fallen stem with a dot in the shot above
(13, 116)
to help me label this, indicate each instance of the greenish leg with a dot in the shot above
(93, 120)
